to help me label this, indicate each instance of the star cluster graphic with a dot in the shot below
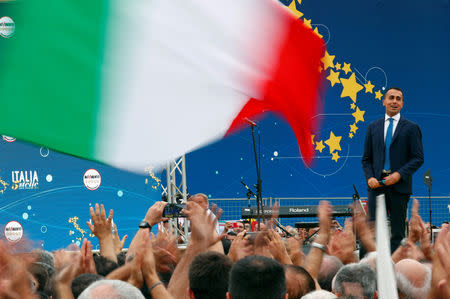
(339, 75)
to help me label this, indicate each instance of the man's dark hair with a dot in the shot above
(257, 277)
(304, 282)
(40, 273)
(360, 274)
(121, 258)
(328, 269)
(104, 266)
(208, 275)
(81, 282)
(226, 243)
(394, 88)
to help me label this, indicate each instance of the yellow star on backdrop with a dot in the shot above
(320, 146)
(312, 138)
(338, 66)
(327, 60)
(352, 106)
(335, 156)
(369, 87)
(378, 95)
(353, 128)
(307, 22)
(316, 31)
(358, 115)
(346, 68)
(350, 135)
(351, 88)
(320, 69)
(333, 77)
(333, 142)
(294, 10)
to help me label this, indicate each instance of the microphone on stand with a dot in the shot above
(249, 193)
(248, 189)
(250, 122)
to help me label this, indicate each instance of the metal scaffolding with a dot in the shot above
(176, 172)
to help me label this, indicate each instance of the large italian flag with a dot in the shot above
(135, 82)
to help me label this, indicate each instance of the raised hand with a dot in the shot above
(276, 247)
(342, 243)
(440, 281)
(240, 247)
(118, 243)
(324, 212)
(363, 231)
(203, 225)
(443, 254)
(100, 226)
(165, 251)
(415, 228)
(154, 213)
(294, 248)
(102, 229)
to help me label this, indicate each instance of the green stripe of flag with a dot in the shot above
(54, 63)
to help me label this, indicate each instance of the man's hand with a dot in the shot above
(165, 251)
(203, 224)
(240, 247)
(363, 231)
(392, 178)
(118, 243)
(101, 226)
(294, 248)
(87, 260)
(440, 280)
(277, 248)
(373, 183)
(324, 212)
(343, 244)
(154, 213)
(415, 228)
(425, 242)
(443, 254)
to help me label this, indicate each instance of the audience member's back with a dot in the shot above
(208, 275)
(257, 277)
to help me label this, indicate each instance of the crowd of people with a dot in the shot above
(235, 264)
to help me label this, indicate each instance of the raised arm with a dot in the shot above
(318, 247)
(102, 229)
(203, 235)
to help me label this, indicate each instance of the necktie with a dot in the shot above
(387, 162)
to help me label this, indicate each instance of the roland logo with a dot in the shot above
(298, 210)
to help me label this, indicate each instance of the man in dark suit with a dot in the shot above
(392, 153)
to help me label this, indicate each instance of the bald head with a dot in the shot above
(413, 279)
(328, 269)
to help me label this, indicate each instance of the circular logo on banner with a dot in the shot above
(7, 27)
(8, 139)
(92, 179)
(13, 231)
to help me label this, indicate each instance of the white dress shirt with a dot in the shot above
(394, 123)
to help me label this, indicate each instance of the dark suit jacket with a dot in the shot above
(406, 152)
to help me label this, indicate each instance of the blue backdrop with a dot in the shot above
(371, 45)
